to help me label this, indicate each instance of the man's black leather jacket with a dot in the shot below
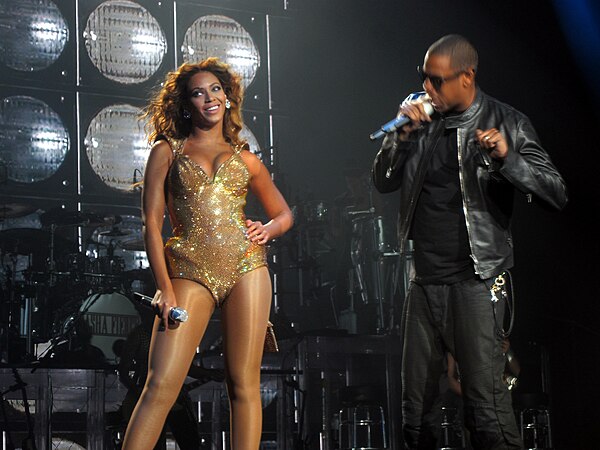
(487, 185)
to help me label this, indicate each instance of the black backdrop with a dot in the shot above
(347, 66)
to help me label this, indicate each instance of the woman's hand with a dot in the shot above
(257, 233)
(162, 303)
(273, 203)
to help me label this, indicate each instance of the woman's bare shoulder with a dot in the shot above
(161, 150)
(253, 162)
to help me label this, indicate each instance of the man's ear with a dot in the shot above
(468, 78)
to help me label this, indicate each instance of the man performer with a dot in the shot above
(457, 170)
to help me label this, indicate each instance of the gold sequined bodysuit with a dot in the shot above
(208, 243)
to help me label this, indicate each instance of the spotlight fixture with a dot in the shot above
(246, 134)
(124, 41)
(33, 34)
(223, 37)
(116, 146)
(33, 139)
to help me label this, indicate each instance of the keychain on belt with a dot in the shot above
(498, 291)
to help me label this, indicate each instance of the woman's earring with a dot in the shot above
(187, 114)
(227, 103)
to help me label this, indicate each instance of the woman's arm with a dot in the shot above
(153, 211)
(272, 201)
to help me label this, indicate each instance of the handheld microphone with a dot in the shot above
(176, 313)
(401, 120)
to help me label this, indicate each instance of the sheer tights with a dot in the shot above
(244, 320)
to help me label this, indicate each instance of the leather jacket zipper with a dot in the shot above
(459, 142)
(417, 188)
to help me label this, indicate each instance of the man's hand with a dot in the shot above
(493, 141)
(415, 111)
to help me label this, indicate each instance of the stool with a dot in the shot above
(535, 428)
(534, 420)
(452, 436)
(362, 420)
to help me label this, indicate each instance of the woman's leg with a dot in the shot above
(171, 354)
(244, 319)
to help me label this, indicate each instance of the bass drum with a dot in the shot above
(110, 318)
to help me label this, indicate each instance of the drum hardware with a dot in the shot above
(114, 232)
(366, 254)
(51, 260)
(17, 314)
(124, 241)
(135, 245)
(377, 230)
(19, 385)
(138, 274)
(110, 318)
(34, 241)
(308, 247)
(54, 264)
(370, 253)
(316, 212)
(58, 218)
(360, 277)
(102, 269)
(66, 218)
(10, 326)
(310, 213)
(13, 210)
(65, 334)
(105, 271)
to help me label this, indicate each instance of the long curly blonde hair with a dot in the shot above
(164, 113)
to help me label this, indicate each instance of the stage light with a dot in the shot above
(33, 34)
(59, 443)
(116, 146)
(223, 37)
(124, 41)
(33, 139)
(252, 141)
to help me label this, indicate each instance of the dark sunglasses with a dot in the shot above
(437, 82)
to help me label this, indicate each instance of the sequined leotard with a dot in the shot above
(208, 243)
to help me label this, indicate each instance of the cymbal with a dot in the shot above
(114, 232)
(25, 241)
(202, 373)
(10, 210)
(139, 274)
(63, 217)
(136, 245)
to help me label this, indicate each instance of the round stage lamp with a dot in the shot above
(65, 444)
(116, 146)
(226, 39)
(33, 34)
(124, 41)
(33, 139)
(247, 135)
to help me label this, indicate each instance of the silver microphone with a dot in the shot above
(176, 313)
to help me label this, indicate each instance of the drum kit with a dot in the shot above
(377, 275)
(78, 270)
(349, 247)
